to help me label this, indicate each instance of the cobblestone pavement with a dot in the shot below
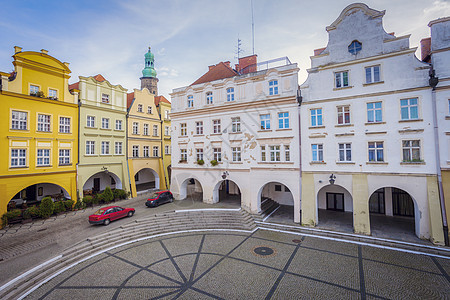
(241, 265)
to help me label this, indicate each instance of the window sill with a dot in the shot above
(412, 120)
(41, 131)
(374, 123)
(64, 165)
(283, 129)
(376, 163)
(118, 154)
(373, 83)
(316, 127)
(317, 136)
(317, 163)
(237, 132)
(198, 135)
(105, 154)
(65, 132)
(447, 117)
(345, 162)
(182, 136)
(106, 129)
(216, 134)
(44, 166)
(182, 162)
(88, 127)
(376, 132)
(276, 162)
(18, 167)
(265, 130)
(342, 88)
(405, 163)
(343, 125)
(155, 135)
(19, 130)
(135, 134)
(91, 155)
(119, 130)
(345, 134)
(236, 162)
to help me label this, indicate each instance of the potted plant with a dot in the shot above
(214, 162)
(200, 162)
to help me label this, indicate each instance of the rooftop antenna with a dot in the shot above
(253, 31)
(238, 48)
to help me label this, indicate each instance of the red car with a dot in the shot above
(107, 214)
(158, 198)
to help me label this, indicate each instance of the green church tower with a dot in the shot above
(148, 79)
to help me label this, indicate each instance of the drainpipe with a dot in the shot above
(299, 100)
(433, 83)
(162, 148)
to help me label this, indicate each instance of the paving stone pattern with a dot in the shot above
(223, 265)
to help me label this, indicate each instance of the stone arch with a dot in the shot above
(278, 192)
(147, 179)
(335, 203)
(100, 180)
(227, 188)
(34, 193)
(191, 187)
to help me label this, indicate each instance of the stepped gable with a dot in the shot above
(220, 71)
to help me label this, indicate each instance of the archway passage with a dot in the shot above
(146, 179)
(335, 208)
(227, 192)
(99, 181)
(277, 203)
(33, 194)
(191, 189)
(392, 214)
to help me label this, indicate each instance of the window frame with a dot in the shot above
(283, 120)
(183, 155)
(135, 151)
(105, 149)
(118, 124)
(314, 114)
(64, 127)
(217, 154)
(89, 147)
(274, 153)
(183, 129)
(64, 160)
(374, 151)
(264, 121)
(236, 125)
(118, 146)
(370, 74)
(190, 101)
(146, 151)
(42, 157)
(343, 111)
(135, 128)
(209, 98)
(236, 154)
(43, 124)
(341, 79)
(345, 150)
(373, 111)
(145, 129)
(18, 120)
(155, 130)
(230, 94)
(199, 127)
(105, 98)
(410, 150)
(409, 108)
(199, 154)
(273, 87)
(317, 153)
(18, 158)
(90, 120)
(105, 123)
(140, 108)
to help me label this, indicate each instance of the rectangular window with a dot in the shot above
(283, 120)
(183, 129)
(216, 126)
(90, 147)
(166, 114)
(230, 94)
(166, 149)
(341, 79)
(64, 157)
(166, 130)
(146, 151)
(18, 157)
(19, 120)
(287, 153)
(139, 108)
(374, 112)
(135, 128)
(263, 153)
(53, 94)
(317, 152)
(376, 151)
(118, 124)
(64, 125)
(411, 151)
(105, 123)
(149, 109)
(236, 151)
(409, 109)
(190, 101)
(145, 129)
(105, 148)
(155, 130)
(155, 151)
(343, 113)
(90, 121)
(236, 124)
(217, 153)
(199, 127)
(105, 98)
(135, 151)
(118, 148)
(43, 157)
(345, 152)
(199, 153)
(34, 89)
(274, 153)
(183, 155)
(273, 87)
(316, 117)
(209, 98)
(265, 121)
(44, 123)
(373, 74)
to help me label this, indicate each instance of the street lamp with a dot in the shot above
(332, 179)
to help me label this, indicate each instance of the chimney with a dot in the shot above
(17, 49)
(44, 51)
(227, 63)
(247, 64)
(425, 49)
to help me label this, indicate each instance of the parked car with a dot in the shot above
(107, 214)
(158, 198)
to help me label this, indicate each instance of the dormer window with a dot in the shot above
(230, 94)
(209, 98)
(190, 101)
(354, 47)
(105, 98)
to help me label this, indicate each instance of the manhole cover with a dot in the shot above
(297, 241)
(264, 251)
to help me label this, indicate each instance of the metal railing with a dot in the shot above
(265, 65)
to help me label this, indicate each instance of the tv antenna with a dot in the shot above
(253, 31)
(239, 49)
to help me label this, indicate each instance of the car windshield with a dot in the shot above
(99, 212)
(154, 195)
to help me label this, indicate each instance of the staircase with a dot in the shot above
(267, 207)
(167, 222)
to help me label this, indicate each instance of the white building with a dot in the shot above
(367, 122)
(245, 119)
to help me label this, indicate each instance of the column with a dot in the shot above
(388, 201)
(434, 206)
(360, 194)
(309, 203)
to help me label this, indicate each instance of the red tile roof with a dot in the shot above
(75, 85)
(160, 99)
(99, 78)
(425, 49)
(130, 97)
(219, 71)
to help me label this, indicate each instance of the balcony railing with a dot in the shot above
(265, 65)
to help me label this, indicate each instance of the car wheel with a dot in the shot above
(106, 222)
(130, 213)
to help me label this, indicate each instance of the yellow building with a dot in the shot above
(148, 134)
(38, 132)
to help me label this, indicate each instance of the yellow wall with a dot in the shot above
(47, 72)
(446, 188)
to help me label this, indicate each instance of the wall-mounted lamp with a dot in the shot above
(105, 169)
(225, 174)
(332, 179)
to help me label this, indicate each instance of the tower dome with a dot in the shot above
(149, 69)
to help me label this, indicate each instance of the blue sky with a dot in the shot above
(111, 37)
